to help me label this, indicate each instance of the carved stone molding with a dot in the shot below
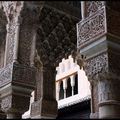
(110, 102)
(91, 28)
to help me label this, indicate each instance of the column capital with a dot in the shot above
(96, 65)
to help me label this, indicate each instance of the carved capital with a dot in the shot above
(31, 13)
(96, 65)
(12, 9)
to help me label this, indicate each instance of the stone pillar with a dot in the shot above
(45, 107)
(17, 77)
(97, 39)
(52, 43)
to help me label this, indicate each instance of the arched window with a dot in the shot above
(69, 89)
(61, 93)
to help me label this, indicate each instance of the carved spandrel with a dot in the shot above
(91, 28)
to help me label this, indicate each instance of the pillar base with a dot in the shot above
(2, 115)
(44, 109)
(43, 117)
(14, 116)
(94, 115)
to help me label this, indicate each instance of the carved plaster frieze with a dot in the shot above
(5, 75)
(91, 28)
(92, 7)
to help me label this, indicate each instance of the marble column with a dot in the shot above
(83, 9)
(65, 87)
(72, 79)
